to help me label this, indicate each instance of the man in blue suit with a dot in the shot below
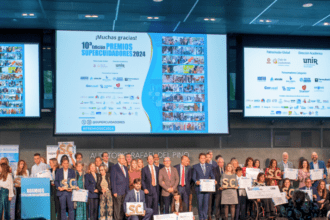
(185, 173)
(150, 184)
(120, 186)
(64, 193)
(209, 159)
(308, 186)
(318, 164)
(202, 171)
(137, 195)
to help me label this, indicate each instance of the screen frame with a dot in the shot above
(40, 83)
(243, 84)
(140, 134)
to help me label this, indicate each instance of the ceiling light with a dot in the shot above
(261, 20)
(24, 14)
(157, 0)
(48, 48)
(149, 17)
(156, 18)
(212, 19)
(95, 16)
(31, 14)
(307, 5)
(268, 21)
(206, 19)
(87, 16)
(326, 24)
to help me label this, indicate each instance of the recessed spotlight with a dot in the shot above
(157, 0)
(48, 48)
(206, 19)
(95, 16)
(87, 16)
(307, 5)
(44, 48)
(326, 24)
(156, 18)
(31, 14)
(261, 20)
(212, 19)
(150, 18)
(268, 21)
(24, 14)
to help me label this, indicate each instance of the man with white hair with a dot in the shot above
(318, 164)
(285, 163)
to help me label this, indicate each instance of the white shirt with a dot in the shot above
(180, 177)
(38, 168)
(8, 184)
(154, 172)
(168, 170)
(241, 192)
(316, 165)
(137, 192)
(122, 167)
(106, 164)
(65, 174)
(285, 165)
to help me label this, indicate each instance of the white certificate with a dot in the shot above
(207, 185)
(291, 174)
(309, 193)
(134, 208)
(328, 186)
(316, 174)
(252, 173)
(186, 216)
(45, 174)
(280, 200)
(165, 217)
(244, 182)
(263, 192)
(80, 195)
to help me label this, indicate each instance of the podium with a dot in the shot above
(35, 198)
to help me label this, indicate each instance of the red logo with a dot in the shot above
(137, 97)
(304, 87)
(268, 61)
(118, 85)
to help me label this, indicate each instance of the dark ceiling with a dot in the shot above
(287, 17)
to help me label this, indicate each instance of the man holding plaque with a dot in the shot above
(285, 163)
(63, 179)
(318, 164)
(202, 171)
(168, 179)
(136, 195)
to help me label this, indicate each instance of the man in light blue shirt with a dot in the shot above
(38, 166)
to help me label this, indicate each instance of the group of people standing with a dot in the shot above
(163, 188)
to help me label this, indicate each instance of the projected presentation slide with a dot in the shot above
(286, 82)
(19, 80)
(108, 82)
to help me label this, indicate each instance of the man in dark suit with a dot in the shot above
(184, 172)
(308, 186)
(150, 184)
(137, 195)
(160, 166)
(209, 159)
(318, 164)
(218, 171)
(63, 192)
(156, 162)
(202, 171)
(106, 162)
(120, 186)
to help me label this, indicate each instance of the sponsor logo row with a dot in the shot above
(291, 80)
(296, 101)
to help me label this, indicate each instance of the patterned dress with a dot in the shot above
(81, 206)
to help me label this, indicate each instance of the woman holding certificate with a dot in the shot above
(267, 203)
(303, 172)
(229, 188)
(322, 198)
(256, 164)
(177, 204)
(81, 212)
(286, 187)
(248, 164)
(104, 187)
(273, 172)
(21, 171)
(93, 194)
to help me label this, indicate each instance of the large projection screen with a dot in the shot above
(19, 80)
(283, 82)
(140, 83)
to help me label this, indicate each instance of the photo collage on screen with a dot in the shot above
(11, 80)
(183, 83)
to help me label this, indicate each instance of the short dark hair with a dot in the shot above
(137, 180)
(184, 157)
(65, 159)
(36, 154)
(127, 154)
(233, 158)
(298, 198)
(98, 157)
(104, 153)
(239, 169)
(202, 154)
(77, 154)
(260, 175)
(217, 157)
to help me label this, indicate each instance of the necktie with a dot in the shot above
(203, 167)
(153, 180)
(169, 173)
(137, 197)
(122, 168)
(182, 177)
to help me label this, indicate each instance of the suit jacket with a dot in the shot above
(217, 176)
(147, 180)
(161, 166)
(214, 164)
(109, 166)
(99, 180)
(90, 185)
(59, 176)
(119, 182)
(187, 176)
(165, 182)
(321, 166)
(183, 207)
(314, 190)
(281, 165)
(130, 197)
(198, 173)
